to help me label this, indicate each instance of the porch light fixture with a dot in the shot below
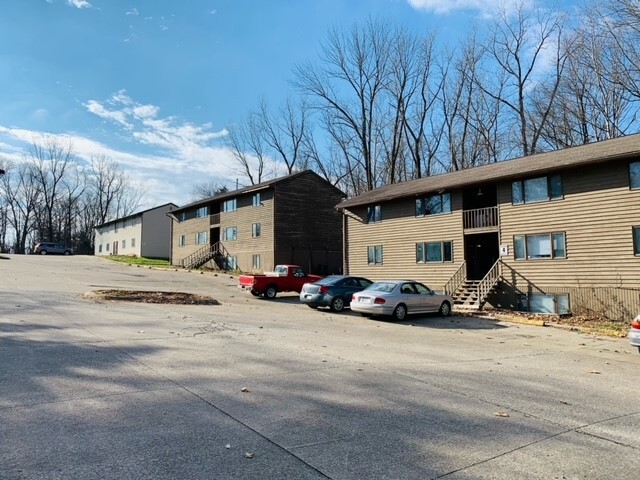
(480, 192)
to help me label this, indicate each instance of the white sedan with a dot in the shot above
(634, 333)
(399, 298)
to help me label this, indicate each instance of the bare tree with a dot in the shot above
(247, 145)
(285, 130)
(348, 86)
(208, 189)
(21, 195)
(50, 162)
(525, 50)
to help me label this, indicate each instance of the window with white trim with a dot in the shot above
(636, 241)
(255, 262)
(201, 238)
(232, 262)
(133, 243)
(540, 189)
(545, 246)
(100, 248)
(230, 233)
(374, 255)
(374, 214)
(256, 229)
(202, 212)
(256, 201)
(634, 175)
(436, 252)
(124, 244)
(551, 303)
(230, 205)
(433, 205)
(182, 240)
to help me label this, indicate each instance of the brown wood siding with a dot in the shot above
(243, 218)
(398, 232)
(596, 214)
(309, 228)
(189, 228)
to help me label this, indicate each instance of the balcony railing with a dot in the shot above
(481, 218)
(214, 219)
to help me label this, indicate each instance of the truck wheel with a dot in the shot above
(271, 292)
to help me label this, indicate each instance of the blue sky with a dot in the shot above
(156, 84)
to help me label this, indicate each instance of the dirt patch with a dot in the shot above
(177, 298)
(580, 323)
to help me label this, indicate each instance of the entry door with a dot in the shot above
(115, 248)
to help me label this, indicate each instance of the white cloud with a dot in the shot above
(40, 114)
(79, 3)
(133, 11)
(447, 6)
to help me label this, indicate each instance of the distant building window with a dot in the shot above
(100, 248)
(634, 174)
(133, 243)
(255, 230)
(433, 205)
(201, 238)
(230, 233)
(106, 247)
(229, 205)
(636, 241)
(434, 252)
(182, 240)
(124, 244)
(539, 189)
(256, 263)
(257, 201)
(232, 262)
(374, 214)
(540, 246)
(374, 255)
(202, 212)
(182, 216)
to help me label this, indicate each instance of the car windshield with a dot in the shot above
(382, 286)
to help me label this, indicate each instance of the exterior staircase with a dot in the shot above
(472, 294)
(215, 252)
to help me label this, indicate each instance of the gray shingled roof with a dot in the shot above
(250, 188)
(599, 152)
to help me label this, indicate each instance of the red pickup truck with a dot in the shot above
(285, 278)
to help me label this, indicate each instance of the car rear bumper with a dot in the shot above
(317, 299)
(372, 308)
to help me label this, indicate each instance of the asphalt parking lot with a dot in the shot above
(258, 389)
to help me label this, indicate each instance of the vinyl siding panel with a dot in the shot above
(596, 214)
(243, 218)
(398, 232)
(189, 228)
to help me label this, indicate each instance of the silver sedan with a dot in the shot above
(399, 298)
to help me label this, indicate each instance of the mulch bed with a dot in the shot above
(178, 298)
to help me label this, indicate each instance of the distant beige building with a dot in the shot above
(143, 234)
(555, 232)
(288, 220)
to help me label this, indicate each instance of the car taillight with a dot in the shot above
(324, 290)
(379, 301)
(636, 323)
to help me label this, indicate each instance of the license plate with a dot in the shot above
(364, 299)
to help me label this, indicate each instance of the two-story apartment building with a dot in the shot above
(556, 232)
(288, 220)
(143, 234)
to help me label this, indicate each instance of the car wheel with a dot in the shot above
(270, 292)
(337, 304)
(43, 252)
(67, 252)
(445, 309)
(400, 312)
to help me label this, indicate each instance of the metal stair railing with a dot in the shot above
(456, 280)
